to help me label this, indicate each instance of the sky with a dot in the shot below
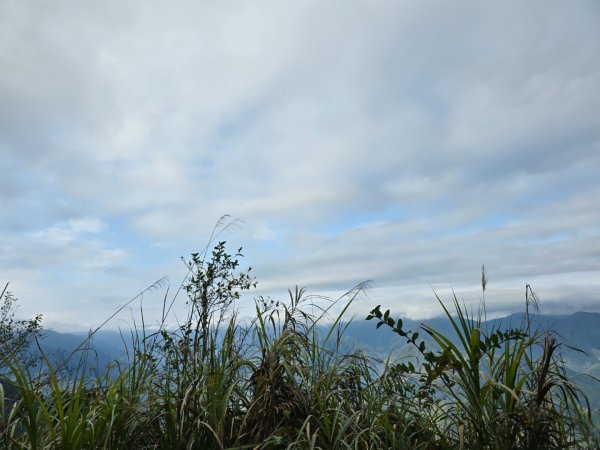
(403, 142)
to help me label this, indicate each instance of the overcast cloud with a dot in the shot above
(405, 142)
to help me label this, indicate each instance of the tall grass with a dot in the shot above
(492, 393)
(285, 380)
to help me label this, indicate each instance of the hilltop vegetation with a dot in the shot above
(285, 380)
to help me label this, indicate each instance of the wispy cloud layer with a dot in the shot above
(402, 142)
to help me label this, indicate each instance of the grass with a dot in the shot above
(285, 381)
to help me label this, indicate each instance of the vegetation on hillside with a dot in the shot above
(15, 335)
(281, 382)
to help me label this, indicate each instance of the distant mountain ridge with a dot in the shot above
(580, 330)
(579, 333)
(66, 349)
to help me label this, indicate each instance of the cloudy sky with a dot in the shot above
(404, 142)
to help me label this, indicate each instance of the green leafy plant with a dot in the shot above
(212, 288)
(491, 389)
(15, 335)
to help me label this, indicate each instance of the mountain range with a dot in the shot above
(579, 334)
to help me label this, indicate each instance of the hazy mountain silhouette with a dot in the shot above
(579, 334)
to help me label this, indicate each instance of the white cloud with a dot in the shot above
(62, 234)
(453, 133)
(104, 259)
